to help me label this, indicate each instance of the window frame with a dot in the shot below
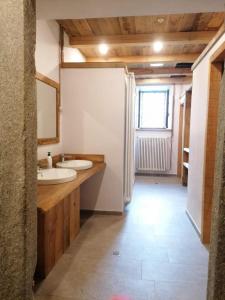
(167, 92)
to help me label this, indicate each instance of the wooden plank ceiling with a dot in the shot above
(130, 38)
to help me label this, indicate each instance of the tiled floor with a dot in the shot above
(152, 253)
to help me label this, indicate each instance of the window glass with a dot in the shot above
(153, 109)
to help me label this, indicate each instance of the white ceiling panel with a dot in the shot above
(77, 9)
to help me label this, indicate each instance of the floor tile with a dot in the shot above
(173, 272)
(180, 291)
(115, 265)
(85, 286)
(183, 256)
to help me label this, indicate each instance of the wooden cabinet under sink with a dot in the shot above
(58, 212)
(56, 229)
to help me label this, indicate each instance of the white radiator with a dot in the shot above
(153, 154)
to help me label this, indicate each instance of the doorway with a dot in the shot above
(184, 136)
(216, 72)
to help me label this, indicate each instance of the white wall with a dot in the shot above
(176, 91)
(93, 122)
(199, 111)
(76, 9)
(71, 54)
(47, 49)
(47, 63)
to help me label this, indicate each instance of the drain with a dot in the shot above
(116, 253)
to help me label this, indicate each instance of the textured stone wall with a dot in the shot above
(216, 281)
(17, 149)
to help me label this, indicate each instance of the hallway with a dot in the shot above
(151, 253)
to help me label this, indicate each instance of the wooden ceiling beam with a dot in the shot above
(131, 60)
(121, 62)
(172, 38)
(160, 71)
(158, 81)
(92, 65)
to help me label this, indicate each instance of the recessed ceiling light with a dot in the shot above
(160, 20)
(103, 48)
(157, 46)
(155, 65)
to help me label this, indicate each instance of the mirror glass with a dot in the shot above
(47, 112)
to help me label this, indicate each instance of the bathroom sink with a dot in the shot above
(75, 164)
(55, 176)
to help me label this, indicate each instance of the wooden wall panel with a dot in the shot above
(211, 138)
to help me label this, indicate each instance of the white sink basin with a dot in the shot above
(55, 176)
(75, 164)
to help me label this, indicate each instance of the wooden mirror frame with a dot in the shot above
(54, 84)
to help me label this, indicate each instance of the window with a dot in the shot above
(153, 109)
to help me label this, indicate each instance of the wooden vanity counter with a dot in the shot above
(58, 214)
(50, 195)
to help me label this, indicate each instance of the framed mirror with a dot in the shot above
(48, 102)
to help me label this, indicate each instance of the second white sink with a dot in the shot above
(55, 176)
(75, 164)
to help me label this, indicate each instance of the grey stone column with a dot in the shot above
(17, 149)
(216, 280)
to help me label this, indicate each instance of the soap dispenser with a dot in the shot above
(49, 160)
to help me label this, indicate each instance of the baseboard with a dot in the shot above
(101, 212)
(193, 223)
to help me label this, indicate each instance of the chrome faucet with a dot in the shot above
(63, 157)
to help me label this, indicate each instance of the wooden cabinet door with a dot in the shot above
(56, 230)
(74, 204)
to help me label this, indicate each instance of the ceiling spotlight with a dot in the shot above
(103, 49)
(156, 65)
(160, 20)
(157, 46)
